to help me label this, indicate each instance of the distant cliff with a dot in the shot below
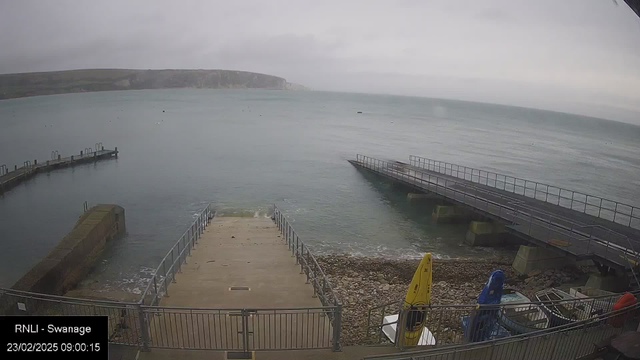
(60, 82)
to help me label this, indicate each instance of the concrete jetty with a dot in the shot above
(563, 222)
(241, 263)
(241, 290)
(12, 177)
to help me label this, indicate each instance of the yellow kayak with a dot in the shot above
(418, 298)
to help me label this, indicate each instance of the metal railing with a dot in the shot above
(240, 329)
(188, 328)
(315, 275)
(28, 167)
(581, 239)
(148, 326)
(452, 324)
(124, 318)
(615, 211)
(308, 263)
(171, 264)
(569, 341)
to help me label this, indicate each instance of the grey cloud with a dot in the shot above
(494, 15)
(547, 53)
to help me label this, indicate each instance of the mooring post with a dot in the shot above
(35, 162)
(116, 152)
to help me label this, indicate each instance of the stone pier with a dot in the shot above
(486, 234)
(531, 258)
(422, 197)
(450, 214)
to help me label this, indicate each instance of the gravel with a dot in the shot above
(365, 282)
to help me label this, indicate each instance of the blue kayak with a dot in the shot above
(483, 321)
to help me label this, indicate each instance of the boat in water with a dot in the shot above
(519, 315)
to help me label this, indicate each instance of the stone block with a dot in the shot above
(612, 283)
(413, 197)
(531, 258)
(450, 213)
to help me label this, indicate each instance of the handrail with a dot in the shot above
(470, 198)
(492, 179)
(440, 316)
(314, 273)
(58, 298)
(298, 248)
(505, 305)
(583, 324)
(185, 243)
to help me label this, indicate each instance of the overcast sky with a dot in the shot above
(580, 56)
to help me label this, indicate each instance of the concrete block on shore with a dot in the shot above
(413, 197)
(531, 258)
(483, 233)
(613, 283)
(450, 214)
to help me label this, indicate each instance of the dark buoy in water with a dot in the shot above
(162, 110)
(359, 112)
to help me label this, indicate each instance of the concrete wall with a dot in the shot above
(482, 233)
(531, 258)
(450, 214)
(70, 260)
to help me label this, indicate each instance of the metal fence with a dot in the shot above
(171, 264)
(147, 325)
(315, 275)
(615, 211)
(565, 342)
(308, 263)
(458, 324)
(241, 330)
(28, 166)
(124, 318)
(576, 238)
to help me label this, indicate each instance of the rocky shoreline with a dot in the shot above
(365, 282)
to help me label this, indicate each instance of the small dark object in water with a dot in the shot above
(162, 110)
(359, 112)
(233, 237)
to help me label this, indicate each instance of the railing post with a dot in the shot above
(179, 258)
(144, 330)
(245, 330)
(166, 286)
(155, 285)
(297, 250)
(400, 329)
(173, 267)
(302, 259)
(337, 327)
